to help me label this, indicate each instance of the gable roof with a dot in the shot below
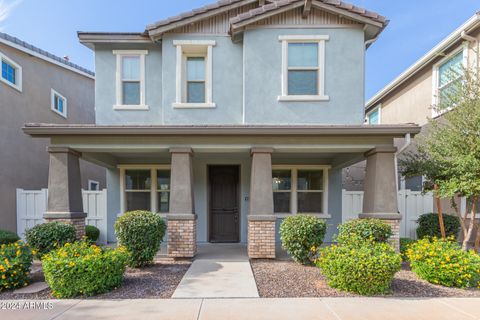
(156, 29)
(421, 63)
(44, 55)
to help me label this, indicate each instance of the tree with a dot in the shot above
(449, 153)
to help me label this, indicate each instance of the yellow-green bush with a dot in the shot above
(363, 229)
(15, 262)
(444, 262)
(84, 269)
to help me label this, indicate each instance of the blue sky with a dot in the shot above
(415, 26)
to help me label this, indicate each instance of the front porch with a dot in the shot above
(225, 183)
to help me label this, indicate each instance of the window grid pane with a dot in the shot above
(373, 117)
(195, 92)
(163, 180)
(281, 202)
(310, 180)
(303, 55)
(131, 68)
(303, 82)
(131, 93)
(310, 202)
(450, 70)
(163, 201)
(137, 179)
(8, 72)
(195, 69)
(138, 201)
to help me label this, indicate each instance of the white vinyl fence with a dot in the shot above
(31, 204)
(411, 205)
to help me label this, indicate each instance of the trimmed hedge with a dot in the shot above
(7, 237)
(355, 230)
(141, 232)
(300, 233)
(428, 225)
(46, 237)
(15, 262)
(84, 269)
(444, 262)
(92, 233)
(365, 267)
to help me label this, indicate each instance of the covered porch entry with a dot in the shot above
(222, 183)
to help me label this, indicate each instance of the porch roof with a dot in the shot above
(51, 130)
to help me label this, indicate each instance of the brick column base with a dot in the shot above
(393, 220)
(261, 237)
(182, 235)
(78, 223)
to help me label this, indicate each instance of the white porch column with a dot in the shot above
(380, 190)
(65, 190)
(261, 219)
(181, 220)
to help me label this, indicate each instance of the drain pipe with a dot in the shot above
(474, 43)
(408, 141)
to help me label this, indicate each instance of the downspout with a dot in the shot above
(474, 43)
(408, 141)
(368, 42)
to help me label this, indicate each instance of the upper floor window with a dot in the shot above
(373, 116)
(303, 68)
(93, 185)
(194, 74)
(447, 77)
(11, 72)
(58, 103)
(130, 82)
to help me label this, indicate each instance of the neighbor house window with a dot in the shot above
(194, 73)
(93, 185)
(303, 68)
(373, 116)
(11, 72)
(447, 78)
(130, 82)
(58, 103)
(300, 189)
(145, 188)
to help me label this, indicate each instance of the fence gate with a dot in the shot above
(411, 204)
(31, 204)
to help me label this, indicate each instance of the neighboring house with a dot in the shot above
(410, 97)
(228, 118)
(36, 86)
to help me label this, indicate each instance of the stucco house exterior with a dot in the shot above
(36, 86)
(228, 118)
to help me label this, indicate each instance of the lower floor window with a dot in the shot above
(145, 188)
(299, 189)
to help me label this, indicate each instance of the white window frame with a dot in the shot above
(188, 48)
(377, 108)
(436, 75)
(18, 73)
(293, 189)
(320, 40)
(54, 93)
(90, 182)
(153, 187)
(118, 79)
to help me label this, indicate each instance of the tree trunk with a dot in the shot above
(440, 214)
(477, 239)
(468, 235)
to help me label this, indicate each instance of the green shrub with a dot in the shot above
(444, 262)
(92, 233)
(299, 233)
(366, 268)
(84, 269)
(141, 232)
(15, 262)
(404, 245)
(45, 237)
(428, 225)
(363, 229)
(7, 237)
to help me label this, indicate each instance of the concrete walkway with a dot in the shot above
(218, 271)
(238, 309)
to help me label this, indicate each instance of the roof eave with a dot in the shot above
(89, 39)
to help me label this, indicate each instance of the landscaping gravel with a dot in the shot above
(156, 281)
(287, 279)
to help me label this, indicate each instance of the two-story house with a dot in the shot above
(37, 86)
(227, 119)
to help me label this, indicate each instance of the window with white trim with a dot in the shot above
(93, 185)
(448, 74)
(194, 74)
(130, 80)
(58, 103)
(303, 68)
(300, 189)
(373, 116)
(11, 72)
(145, 188)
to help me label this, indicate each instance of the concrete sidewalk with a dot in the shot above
(233, 309)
